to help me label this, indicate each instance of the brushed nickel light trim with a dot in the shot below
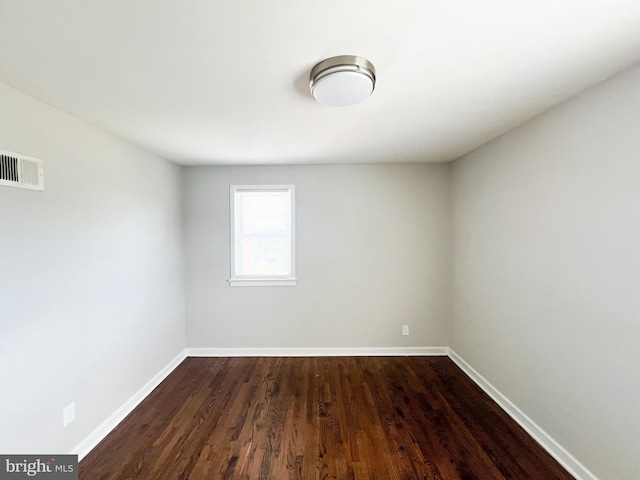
(342, 81)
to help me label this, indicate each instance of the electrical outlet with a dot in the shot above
(69, 414)
(405, 329)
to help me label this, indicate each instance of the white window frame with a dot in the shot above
(261, 280)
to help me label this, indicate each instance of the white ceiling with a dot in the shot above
(226, 81)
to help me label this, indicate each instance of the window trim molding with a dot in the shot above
(260, 281)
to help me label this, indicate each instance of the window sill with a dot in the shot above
(262, 282)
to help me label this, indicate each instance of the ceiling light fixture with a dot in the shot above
(342, 81)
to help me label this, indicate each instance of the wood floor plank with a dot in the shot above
(343, 418)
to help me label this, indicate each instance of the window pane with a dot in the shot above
(263, 233)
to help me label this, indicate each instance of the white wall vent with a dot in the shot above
(20, 171)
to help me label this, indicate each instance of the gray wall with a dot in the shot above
(372, 254)
(91, 277)
(547, 272)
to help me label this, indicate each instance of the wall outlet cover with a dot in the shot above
(69, 414)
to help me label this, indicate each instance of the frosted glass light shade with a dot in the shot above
(342, 81)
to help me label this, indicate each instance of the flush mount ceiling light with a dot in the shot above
(342, 81)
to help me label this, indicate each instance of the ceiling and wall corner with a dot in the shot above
(228, 82)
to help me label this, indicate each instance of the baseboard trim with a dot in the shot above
(568, 461)
(95, 437)
(318, 352)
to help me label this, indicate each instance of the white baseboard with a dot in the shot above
(568, 461)
(318, 352)
(95, 437)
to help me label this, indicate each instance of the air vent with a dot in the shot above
(20, 171)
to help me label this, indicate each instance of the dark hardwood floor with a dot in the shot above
(339, 418)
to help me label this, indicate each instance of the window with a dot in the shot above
(262, 235)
